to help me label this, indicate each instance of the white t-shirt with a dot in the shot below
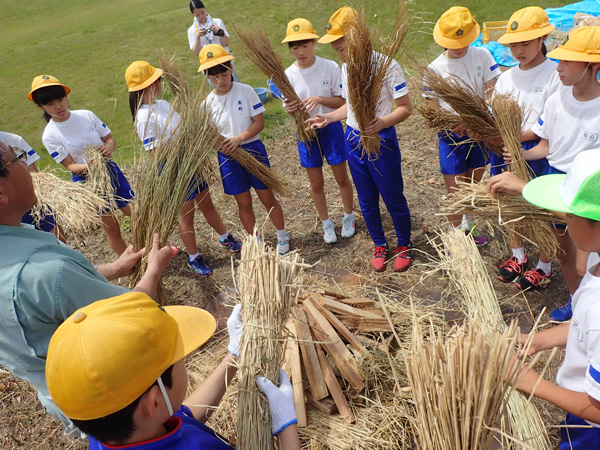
(156, 123)
(570, 126)
(473, 70)
(323, 78)
(531, 88)
(69, 138)
(208, 38)
(394, 86)
(14, 140)
(232, 113)
(580, 370)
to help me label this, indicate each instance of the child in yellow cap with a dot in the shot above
(156, 123)
(475, 67)
(318, 83)
(531, 83)
(116, 368)
(237, 113)
(66, 136)
(381, 176)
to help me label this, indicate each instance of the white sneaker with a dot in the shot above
(283, 245)
(348, 228)
(329, 233)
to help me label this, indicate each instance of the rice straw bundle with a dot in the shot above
(74, 207)
(458, 385)
(257, 47)
(367, 71)
(268, 287)
(470, 107)
(438, 118)
(466, 270)
(98, 178)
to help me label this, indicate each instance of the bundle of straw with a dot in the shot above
(471, 108)
(268, 287)
(98, 177)
(459, 386)
(73, 207)
(438, 118)
(257, 47)
(368, 70)
(460, 257)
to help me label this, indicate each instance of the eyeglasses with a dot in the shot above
(20, 156)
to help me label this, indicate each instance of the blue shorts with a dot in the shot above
(330, 143)
(538, 167)
(196, 186)
(457, 157)
(47, 223)
(123, 192)
(236, 179)
(579, 438)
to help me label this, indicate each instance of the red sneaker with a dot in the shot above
(379, 257)
(403, 258)
(534, 279)
(511, 269)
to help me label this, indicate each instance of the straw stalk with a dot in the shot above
(99, 177)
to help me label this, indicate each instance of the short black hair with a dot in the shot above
(302, 42)
(46, 95)
(218, 69)
(119, 426)
(135, 101)
(196, 4)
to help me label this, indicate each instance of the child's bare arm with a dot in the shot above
(403, 109)
(549, 338)
(322, 120)
(230, 144)
(528, 135)
(73, 167)
(288, 439)
(538, 152)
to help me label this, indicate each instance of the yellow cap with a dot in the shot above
(107, 354)
(299, 30)
(140, 74)
(42, 81)
(526, 24)
(583, 45)
(212, 55)
(456, 28)
(338, 24)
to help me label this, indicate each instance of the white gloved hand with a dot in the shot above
(234, 328)
(281, 401)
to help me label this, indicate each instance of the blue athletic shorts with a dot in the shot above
(538, 166)
(330, 143)
(196, 186)
(236, 179)
(579, 438)
(47, 223)
(457, 157)
(123, 192)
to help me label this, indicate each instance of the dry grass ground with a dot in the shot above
(23, 425)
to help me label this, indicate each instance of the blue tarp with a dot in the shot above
(561, 18)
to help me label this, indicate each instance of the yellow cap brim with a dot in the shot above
(214, 62)
(300, 37)
(523, 36)
(329, 38)
(464, 41)
(67, 89)
(196, 326)
(565, 54)
(155, 76)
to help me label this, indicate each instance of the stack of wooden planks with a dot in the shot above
(322, 348)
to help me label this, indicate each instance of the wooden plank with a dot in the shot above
(365, 325)
(326, 405)
(317, 384)
(329, 294)
(341, 328)
(340, 355)
(357, 301)
(334, 387)
(342, 308)
(296, 375)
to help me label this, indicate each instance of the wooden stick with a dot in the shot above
(364, 325)
(336, 391)
(342, 308)
(296, 374)
(341, 328)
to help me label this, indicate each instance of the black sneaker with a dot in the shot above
(534, 279)
(511, 269)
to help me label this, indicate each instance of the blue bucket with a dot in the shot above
(275, 92)
(262, 94)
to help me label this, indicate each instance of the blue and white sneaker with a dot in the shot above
(562, 314)
(348, 227)
(199, 267)
(329, 233)
(283, 244)
(231, 243)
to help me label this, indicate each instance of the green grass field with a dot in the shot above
(89, 44)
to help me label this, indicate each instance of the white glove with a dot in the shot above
(234, 328)
(281, 401)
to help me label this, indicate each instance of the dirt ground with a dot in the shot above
(23, 424)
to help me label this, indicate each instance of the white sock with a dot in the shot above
(327, 223)
(194, 256)
(222, 237)
(348, 216)
(546, 267)
(281, 234)
(519, 253)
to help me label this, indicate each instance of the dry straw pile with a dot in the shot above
(368, 70)
(98, 177)
(74, 207)
(268, 287)
(257, 48)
